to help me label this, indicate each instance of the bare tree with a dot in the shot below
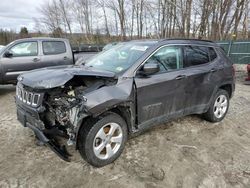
(65, 11)
(118, 7)
(82, 12)
(212, 19)
(206, 11)
(102, 5)
(246, 20)
(240, 5)
(51, 16)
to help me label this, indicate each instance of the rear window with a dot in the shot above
(196, 55)
(53, 47)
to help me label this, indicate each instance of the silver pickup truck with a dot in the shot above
(27, 54)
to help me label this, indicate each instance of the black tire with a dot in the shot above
(210, 114)
(87, 135)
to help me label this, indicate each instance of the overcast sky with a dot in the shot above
(17, 13)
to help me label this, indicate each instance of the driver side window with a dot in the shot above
(24, 49)
(169, 58)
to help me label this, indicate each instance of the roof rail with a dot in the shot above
(188, 39)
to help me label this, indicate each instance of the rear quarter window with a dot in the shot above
(53, 47)
(212, 54)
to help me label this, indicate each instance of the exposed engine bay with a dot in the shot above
(67, 101)
(65, 105)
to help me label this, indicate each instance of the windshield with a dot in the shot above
(118, 58)
(1, 48)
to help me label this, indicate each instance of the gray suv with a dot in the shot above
(123, 91)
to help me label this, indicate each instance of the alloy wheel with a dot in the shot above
(220, 106)
(108, 141)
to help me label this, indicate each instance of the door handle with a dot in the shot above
(180, 77)
(36, 59)
(213, 70)
(65, 58)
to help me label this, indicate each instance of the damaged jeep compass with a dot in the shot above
(97, 105)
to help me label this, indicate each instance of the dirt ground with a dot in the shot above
(188, 152)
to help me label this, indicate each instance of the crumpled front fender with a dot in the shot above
(105, 98)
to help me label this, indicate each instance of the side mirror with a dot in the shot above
(8, 54)
(150, 68)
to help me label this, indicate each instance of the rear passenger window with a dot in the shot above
(196, 55)
(212, 54)
(53, 47)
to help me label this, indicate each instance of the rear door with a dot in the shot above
(25, 57)
(56, 53)
(161, 94)
(200, 63)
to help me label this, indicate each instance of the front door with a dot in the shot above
(162, 95)
(24, 57)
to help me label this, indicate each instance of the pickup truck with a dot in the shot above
(27, 54)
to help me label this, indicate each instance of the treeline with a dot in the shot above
(128, 19)
(102, 21)
(7, 36)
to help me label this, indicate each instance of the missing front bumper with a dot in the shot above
(51, 143)
(48, 139)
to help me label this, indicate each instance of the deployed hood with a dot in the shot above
(57, 76)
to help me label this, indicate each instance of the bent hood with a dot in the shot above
(52, 77)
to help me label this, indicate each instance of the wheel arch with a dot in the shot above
(125, 110)
(228, 88)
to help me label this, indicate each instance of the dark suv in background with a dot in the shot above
(122, 92)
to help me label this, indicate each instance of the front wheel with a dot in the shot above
(102, 142)
(219, 107)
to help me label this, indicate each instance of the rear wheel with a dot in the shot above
(219, 107)
(102, 142)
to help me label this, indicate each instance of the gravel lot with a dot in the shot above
(188, 152)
